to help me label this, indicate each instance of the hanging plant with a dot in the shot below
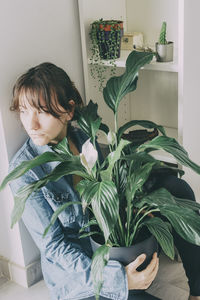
(105, 36)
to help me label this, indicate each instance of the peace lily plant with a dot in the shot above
(115, 192)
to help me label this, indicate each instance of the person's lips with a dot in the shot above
(34, 135)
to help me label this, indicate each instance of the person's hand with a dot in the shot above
(143, 279)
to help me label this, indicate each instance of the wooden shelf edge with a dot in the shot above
(154, 65)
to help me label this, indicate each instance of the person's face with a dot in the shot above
(42, 127)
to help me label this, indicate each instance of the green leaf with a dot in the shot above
(99, 261)
(162, 233)
(117, 87)
(57, 212)
(87, 234)
(81, 186)
(135, 181)
(105, 204)
(123, 170)
(140, 157)
(30, 164)
(104, 200)
(90, 223)
(103, 127)
(112, 158)
(72, 166)
(63, 148)
(86, 192)
(171, 146)
(137, 178)
(184, 220)
(143, 123)
(19, 202)
(89, 120)
(156, 199)
(188, 203)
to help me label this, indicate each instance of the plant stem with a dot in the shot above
(138, 223)
(116, 125)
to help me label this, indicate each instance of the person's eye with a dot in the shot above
(41, 111)
(22, 111)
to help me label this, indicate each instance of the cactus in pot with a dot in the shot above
(164, 49)
(162, 38)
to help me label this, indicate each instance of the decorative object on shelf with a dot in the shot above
(118, 193)
(145, 49)
(132, 41)
(127, 41)
(164, 49)
(105, 36)
(138, 40)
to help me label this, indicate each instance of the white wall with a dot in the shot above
(31, 32)
(154, 12)
(91, 10)
(191, 88)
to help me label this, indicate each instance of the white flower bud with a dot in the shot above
(88, 156)
(111, 138)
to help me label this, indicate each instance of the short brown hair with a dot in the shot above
(49, 82)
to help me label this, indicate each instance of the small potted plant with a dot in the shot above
(164, 49)
(122, 211)
(105, 36)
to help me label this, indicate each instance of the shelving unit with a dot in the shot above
(156, 97)
(167, 93)
(154, 65)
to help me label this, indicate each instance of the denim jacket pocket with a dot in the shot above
(56, 200)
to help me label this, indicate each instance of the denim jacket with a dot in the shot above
(65, 259)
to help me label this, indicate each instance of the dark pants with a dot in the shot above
(190, 254)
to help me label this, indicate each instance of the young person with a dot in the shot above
(46, 100)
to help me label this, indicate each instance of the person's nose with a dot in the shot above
(34, 122)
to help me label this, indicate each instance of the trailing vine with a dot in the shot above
(105, 36)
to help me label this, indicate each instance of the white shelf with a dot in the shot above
(158, 154)
(154, 65)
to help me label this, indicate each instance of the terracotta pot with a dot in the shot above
(107, 27)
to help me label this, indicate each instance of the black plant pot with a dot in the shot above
(106, 50)
(126, 255)
(109, 34)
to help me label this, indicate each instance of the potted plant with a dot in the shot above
(105, 36)
(164, 49)
(123, 211)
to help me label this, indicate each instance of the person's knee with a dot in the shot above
(178, 187)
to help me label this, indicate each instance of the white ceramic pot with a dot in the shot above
(164, 53)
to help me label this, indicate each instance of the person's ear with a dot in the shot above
(70, 113)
